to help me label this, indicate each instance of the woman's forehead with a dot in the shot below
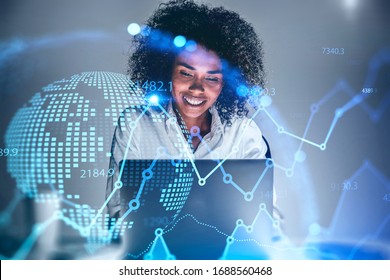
(200, 57)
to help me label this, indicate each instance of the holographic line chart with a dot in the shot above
(369, 237)
(366, 166)
(230, 239)
(374, 114)
(376, 63)
(39, 228)
(287, 247)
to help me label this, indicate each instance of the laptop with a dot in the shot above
(189, 209)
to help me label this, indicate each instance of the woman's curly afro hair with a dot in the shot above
(217, 29)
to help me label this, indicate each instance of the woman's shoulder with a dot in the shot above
(242, 124)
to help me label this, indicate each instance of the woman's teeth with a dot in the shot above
(193, 101)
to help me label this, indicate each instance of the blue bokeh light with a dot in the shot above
(265, 100)
(191, 46)
(300, 156)
(179, 41)
(256, 90)
(242, 90)
(133, 29)
(153, 99)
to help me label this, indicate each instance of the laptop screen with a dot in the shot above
(188, 210)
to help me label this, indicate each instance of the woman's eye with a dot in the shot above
(186, 74)
(212, 79)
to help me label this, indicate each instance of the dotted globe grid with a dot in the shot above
(66, 127)
(60, 128)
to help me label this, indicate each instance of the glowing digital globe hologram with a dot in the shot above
(63, 136)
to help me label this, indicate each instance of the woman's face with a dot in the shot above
(197, 81)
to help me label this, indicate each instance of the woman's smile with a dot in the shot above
(194, 101)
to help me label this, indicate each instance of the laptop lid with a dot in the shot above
(194, 206)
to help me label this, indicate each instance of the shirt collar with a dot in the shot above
(216, 123)
(170, 110)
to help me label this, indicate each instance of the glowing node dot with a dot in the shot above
(289, 172)
(153, 99)
(339, 113)
(249, 229)
(239, 222)
(248, 196)
(262, 206)
(269, 162)
(202, 182)
(300, 156)
(195, 130)
(158, 232)
(229, 240)
(227, 179)
(175, 162)
(133, 29)
(179, 41)
(276, 224)
(118, 184)
(147, 174)
(314, 229)
(134, 204)
(132, 124)
(323, 147)
(280, 129)
(265, 100)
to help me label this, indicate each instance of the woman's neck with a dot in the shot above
(203, 122)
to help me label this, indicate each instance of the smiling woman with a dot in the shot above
(212, 58)
(204, 114)
(213, 72)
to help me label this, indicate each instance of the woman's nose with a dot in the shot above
(197, 84)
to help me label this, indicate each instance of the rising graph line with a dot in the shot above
(356, 99)
(366, 166)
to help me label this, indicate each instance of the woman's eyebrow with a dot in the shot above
(193, 68)
(214, 72)
(186, 65)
